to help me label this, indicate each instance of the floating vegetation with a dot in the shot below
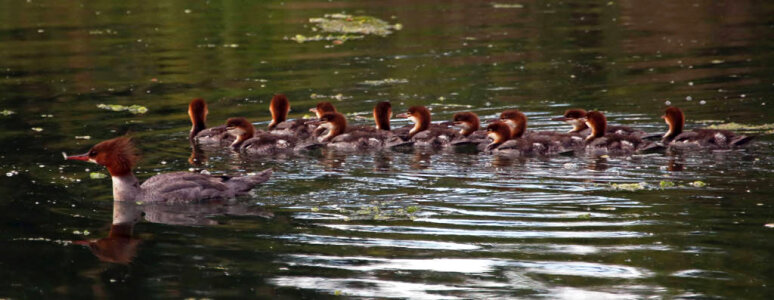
(336, 97)
(97, 175)
(344, 27)
(380, 211)
(107, 31)
(451, 105)
(135, 109)
(340, 38)
(6, 112)
(629, 186)
(507, 5)
(82, 137)
(767, 128)
(664, 184)
(698, 183)
(384, 81)
(36, 129)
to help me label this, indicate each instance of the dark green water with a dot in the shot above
(413, 224)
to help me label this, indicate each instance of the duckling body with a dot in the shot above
(200, 134)
(712, 139)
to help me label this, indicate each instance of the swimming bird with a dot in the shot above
(119, 156)
(576, 118)
(469, 133)
(200, 134)
(423, 133)
(339, 136)
(713, 139)
(260, 143)
(599, 142)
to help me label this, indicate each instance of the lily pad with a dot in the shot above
(135, 109)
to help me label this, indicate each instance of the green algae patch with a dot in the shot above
(666, 184)
(300, 38)
(507, 5)
(380, 211)
(698, 183)
(135, 109)
(340, 28)
(767, 128)
(386, 81)
(631, 187)
(97, 175)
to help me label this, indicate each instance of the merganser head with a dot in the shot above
(675, 118)
(241, 129)
(499, 132)
(420, 115)
(336, 124)
(197, 111)
(598, 123)
(516, 120)
(574, 117)
(119, 155)
(322, 108)
(468, 121)
(382, 115)
(279, 107)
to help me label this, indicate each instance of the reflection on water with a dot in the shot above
(120, 245)
(410, 223)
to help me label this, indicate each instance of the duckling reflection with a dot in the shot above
(598, 163)
(421, 159)
(674, 165)
(382, 160)
(120, 246)
(198, 157)
(332, 159)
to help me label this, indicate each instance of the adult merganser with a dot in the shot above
(676, 138)
(250, 142)
(423, 133)
(119, 156)
(341, 137)
(576, 118)
(469, 129)
(197, 111)
(598, 142)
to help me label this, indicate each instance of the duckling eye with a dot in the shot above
(92, 153)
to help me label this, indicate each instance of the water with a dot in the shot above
(410, 224)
